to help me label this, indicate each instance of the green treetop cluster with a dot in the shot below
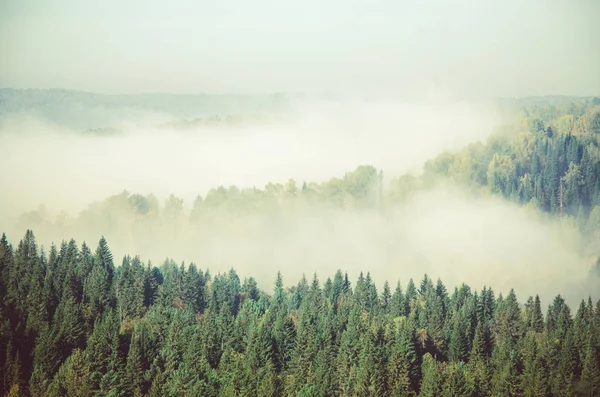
(74, 324)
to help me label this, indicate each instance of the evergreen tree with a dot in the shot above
(459, 340)
(73, 377)
(433, 378)
(534, 319)
(397, 304)
(534, 380)
(590, 374)
(410, 295)
(386, 298)
(456, 384)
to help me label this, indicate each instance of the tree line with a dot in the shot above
(74, 324)
(548, 158)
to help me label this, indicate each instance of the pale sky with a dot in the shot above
(462, 47)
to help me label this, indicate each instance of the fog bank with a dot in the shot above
(64, 169)
(442, 232)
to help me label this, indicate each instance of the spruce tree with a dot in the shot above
(433, 379)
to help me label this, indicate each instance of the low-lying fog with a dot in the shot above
(66, 169)
(442, 232)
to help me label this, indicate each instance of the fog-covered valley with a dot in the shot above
(300, 198)
(445, 230)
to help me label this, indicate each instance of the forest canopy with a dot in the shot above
(300, 198)
(73, 323)
(77, 321)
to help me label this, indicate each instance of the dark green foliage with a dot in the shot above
(98, 285)
(397, 306)
(505, 381)
(433, 377)
(508, 325)
(73, 377)
(534, 378)
(589, 383)
(459, 339)
(456, 383)
(478, 368)
(137, 330)
(534, 319)
(549, 158)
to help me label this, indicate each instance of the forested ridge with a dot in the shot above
(74, 321)
(365, 198)
(74, 324)
(547, 158)
(92, 112)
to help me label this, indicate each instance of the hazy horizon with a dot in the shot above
(459, 49)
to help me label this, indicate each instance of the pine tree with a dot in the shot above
(459, 343)
(73, 377)
(152, 280)
(194, 289)
(102, 350)
(409, 297)
(305, 350)
(327, 287)
(135, 366)
(98, 286)
(456, 384)
(348, 353)
(508, 326)
(337, 288)
(590, 374)
(553, 312)
(407, 347)
(534, 319)
(568, 365)
(506, 380)
(485, 306)
(534, 381)
(397, 304)
(386, 298)
(433, 379)
(13, 371)
(371, 295)
(479, 367)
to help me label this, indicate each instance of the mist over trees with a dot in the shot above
(77, 321)
(546, 158)
(549, 158)
(300, 198)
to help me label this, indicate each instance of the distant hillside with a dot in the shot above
(88, 111)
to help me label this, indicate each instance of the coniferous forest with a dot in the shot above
(300, 198)
(75, 321)
(74, 324)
